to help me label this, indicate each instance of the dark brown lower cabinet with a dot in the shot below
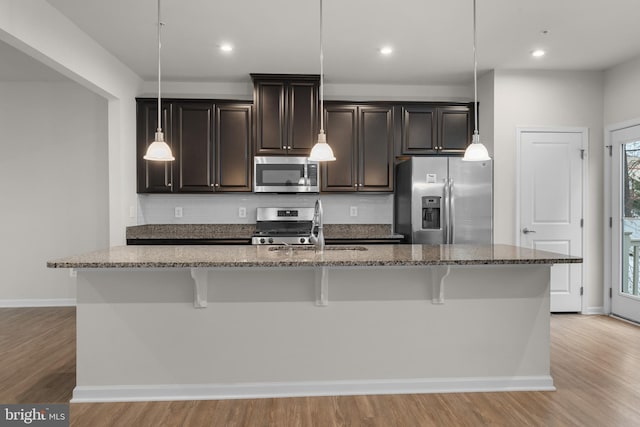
(361, 137)
(210, 140)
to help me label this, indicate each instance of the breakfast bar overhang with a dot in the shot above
(222, 322)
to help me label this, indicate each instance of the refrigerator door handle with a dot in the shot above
(445, 212)
(452, 211)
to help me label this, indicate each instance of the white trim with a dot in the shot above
(162, 392)
(38, 302)
(608, 270)
(594, 311)
(612, 235)
(585, 185)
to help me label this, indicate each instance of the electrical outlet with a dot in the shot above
(353, 211)
(178, 212)
(242, 212)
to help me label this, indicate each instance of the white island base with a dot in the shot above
(260, 332)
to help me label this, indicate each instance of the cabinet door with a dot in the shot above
(193, 139)
(418, 130)
(455, 129)
(270, 117)
(375, 147)
(341, 129)
(302, 117)
(153, 177)
(233, 160)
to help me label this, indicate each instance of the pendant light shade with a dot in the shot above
(321, 151)
(159, 150)
(476, 151)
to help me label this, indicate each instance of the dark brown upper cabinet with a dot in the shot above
(427, 128)
(211, 141)
(233, 159)
(193, 141)
(286, 113)
(361, 137)
(153, 177)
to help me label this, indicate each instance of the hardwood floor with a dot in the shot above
(595, 364)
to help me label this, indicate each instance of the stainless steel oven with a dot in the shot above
(285, 174)
(283, 226)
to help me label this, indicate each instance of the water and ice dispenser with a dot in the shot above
(431, 212)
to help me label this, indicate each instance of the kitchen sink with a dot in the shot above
(313, 248)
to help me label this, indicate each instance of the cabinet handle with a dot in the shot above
(217, 185)
(169, 184)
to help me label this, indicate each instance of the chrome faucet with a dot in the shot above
(318, 241)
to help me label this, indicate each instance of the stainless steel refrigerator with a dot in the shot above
(441, 200)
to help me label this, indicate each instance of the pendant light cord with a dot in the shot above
(475, 72)
(321, 75)
(159, 70)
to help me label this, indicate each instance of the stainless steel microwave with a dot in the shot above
(285, 174)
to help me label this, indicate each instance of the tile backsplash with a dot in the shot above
(224, 208)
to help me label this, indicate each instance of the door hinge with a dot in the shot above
(581, 222)
(610, 148)
(581, 290)
(582, 153)
(610, 292)
(610, 222)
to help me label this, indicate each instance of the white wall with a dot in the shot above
(486, 94)
(621, 90)
(42, 32)
(548, 99)
(54, 175)
(348, 92)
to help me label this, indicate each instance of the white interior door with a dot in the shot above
(550, 206)
(625, 211)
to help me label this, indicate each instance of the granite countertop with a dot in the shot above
(282, 256)
(245, 231)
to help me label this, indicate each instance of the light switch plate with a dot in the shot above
(353, 211)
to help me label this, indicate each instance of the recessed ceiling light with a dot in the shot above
(538, 53)
(386, 50)
(226, 47)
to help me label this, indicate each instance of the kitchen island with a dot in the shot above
(212, 322)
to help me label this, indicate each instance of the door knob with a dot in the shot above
(527, 231)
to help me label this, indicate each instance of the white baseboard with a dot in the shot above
(38, 302)
(162, 392)
(593, 310)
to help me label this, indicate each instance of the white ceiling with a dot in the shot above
(432, 38)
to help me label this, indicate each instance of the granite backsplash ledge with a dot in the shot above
(245, 231)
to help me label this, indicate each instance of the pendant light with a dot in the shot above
(476, 151)
(159, 150)
(321, 151)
